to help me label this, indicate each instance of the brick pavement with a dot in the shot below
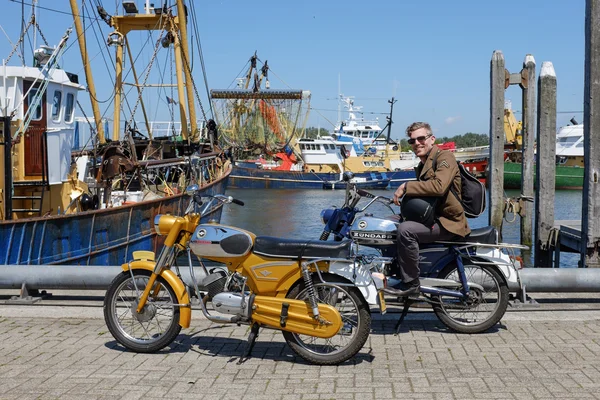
(555, 356)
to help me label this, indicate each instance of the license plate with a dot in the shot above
(381, 301)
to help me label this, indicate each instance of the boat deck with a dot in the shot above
(569, 237)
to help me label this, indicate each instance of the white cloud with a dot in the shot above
(451, 120)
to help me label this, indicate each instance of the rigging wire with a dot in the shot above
(201, 55)
(47, 8)
(358, 112)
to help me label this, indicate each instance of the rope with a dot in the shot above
(510, 205)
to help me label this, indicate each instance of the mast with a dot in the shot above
(123, 24)
(182, 16)
(389, 120)
(88, 71)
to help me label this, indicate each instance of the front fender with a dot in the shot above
(185, 312)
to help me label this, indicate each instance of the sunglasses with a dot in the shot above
(420, 139)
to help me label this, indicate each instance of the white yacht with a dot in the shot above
(569, 145)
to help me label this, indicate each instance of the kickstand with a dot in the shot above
(407, 303)
(250, 344)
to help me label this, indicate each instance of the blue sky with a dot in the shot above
(432, 55)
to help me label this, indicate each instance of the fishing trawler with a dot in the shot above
(97, 206)
(264, 127)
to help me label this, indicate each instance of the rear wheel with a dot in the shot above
(485, 305)
(356, 324)
(156, 326)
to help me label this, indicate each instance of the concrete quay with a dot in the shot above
(60, 348)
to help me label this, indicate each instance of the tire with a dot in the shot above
(356, 318)
(152, 329)
(483, 309)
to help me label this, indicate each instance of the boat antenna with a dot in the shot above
(339, 99)
(389, 119)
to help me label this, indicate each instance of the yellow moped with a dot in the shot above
(305, 288)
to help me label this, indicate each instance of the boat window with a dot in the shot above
(56, 103)
(313, 147)
(580, 144)
(367, 163)
(568, 140)
(37, 115)
(70, 107)
(301, 147)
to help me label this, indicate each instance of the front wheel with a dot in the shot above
(482, 309)
(153, 328)
(356, 324)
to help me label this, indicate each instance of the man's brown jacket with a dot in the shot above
(437, 183)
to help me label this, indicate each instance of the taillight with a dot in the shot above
(518, 262)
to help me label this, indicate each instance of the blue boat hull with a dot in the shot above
(256, 178)
(100, 237)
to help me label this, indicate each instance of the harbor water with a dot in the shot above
(296, 214)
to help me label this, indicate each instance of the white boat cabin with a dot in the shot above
(44, 148)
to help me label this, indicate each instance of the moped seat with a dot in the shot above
(485, 235)
(293, 248)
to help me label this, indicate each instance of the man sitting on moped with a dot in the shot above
(429, 212)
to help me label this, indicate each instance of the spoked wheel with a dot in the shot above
(482, 309)
(356, 325)
(152, 329)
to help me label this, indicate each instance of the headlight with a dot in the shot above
(163, 223)
(326, 214)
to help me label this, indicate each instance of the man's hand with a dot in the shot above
(399, 193)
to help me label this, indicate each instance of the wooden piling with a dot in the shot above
(529, 96)
(496, 164)
(591, 131)
(545, 167)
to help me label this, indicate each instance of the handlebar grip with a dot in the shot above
(198, 198)
(364, 193)
(238, 202)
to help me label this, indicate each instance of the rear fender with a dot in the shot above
(360, 276)
(502, 263)
(185, 312)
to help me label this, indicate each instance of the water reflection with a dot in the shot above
(296, 214)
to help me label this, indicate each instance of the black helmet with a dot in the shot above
(419, 209)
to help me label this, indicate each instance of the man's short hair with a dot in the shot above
(418, 125)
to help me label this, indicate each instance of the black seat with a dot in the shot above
(278, 247)
(487, 235)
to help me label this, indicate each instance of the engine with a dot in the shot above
(232, 303)
(227, 300)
